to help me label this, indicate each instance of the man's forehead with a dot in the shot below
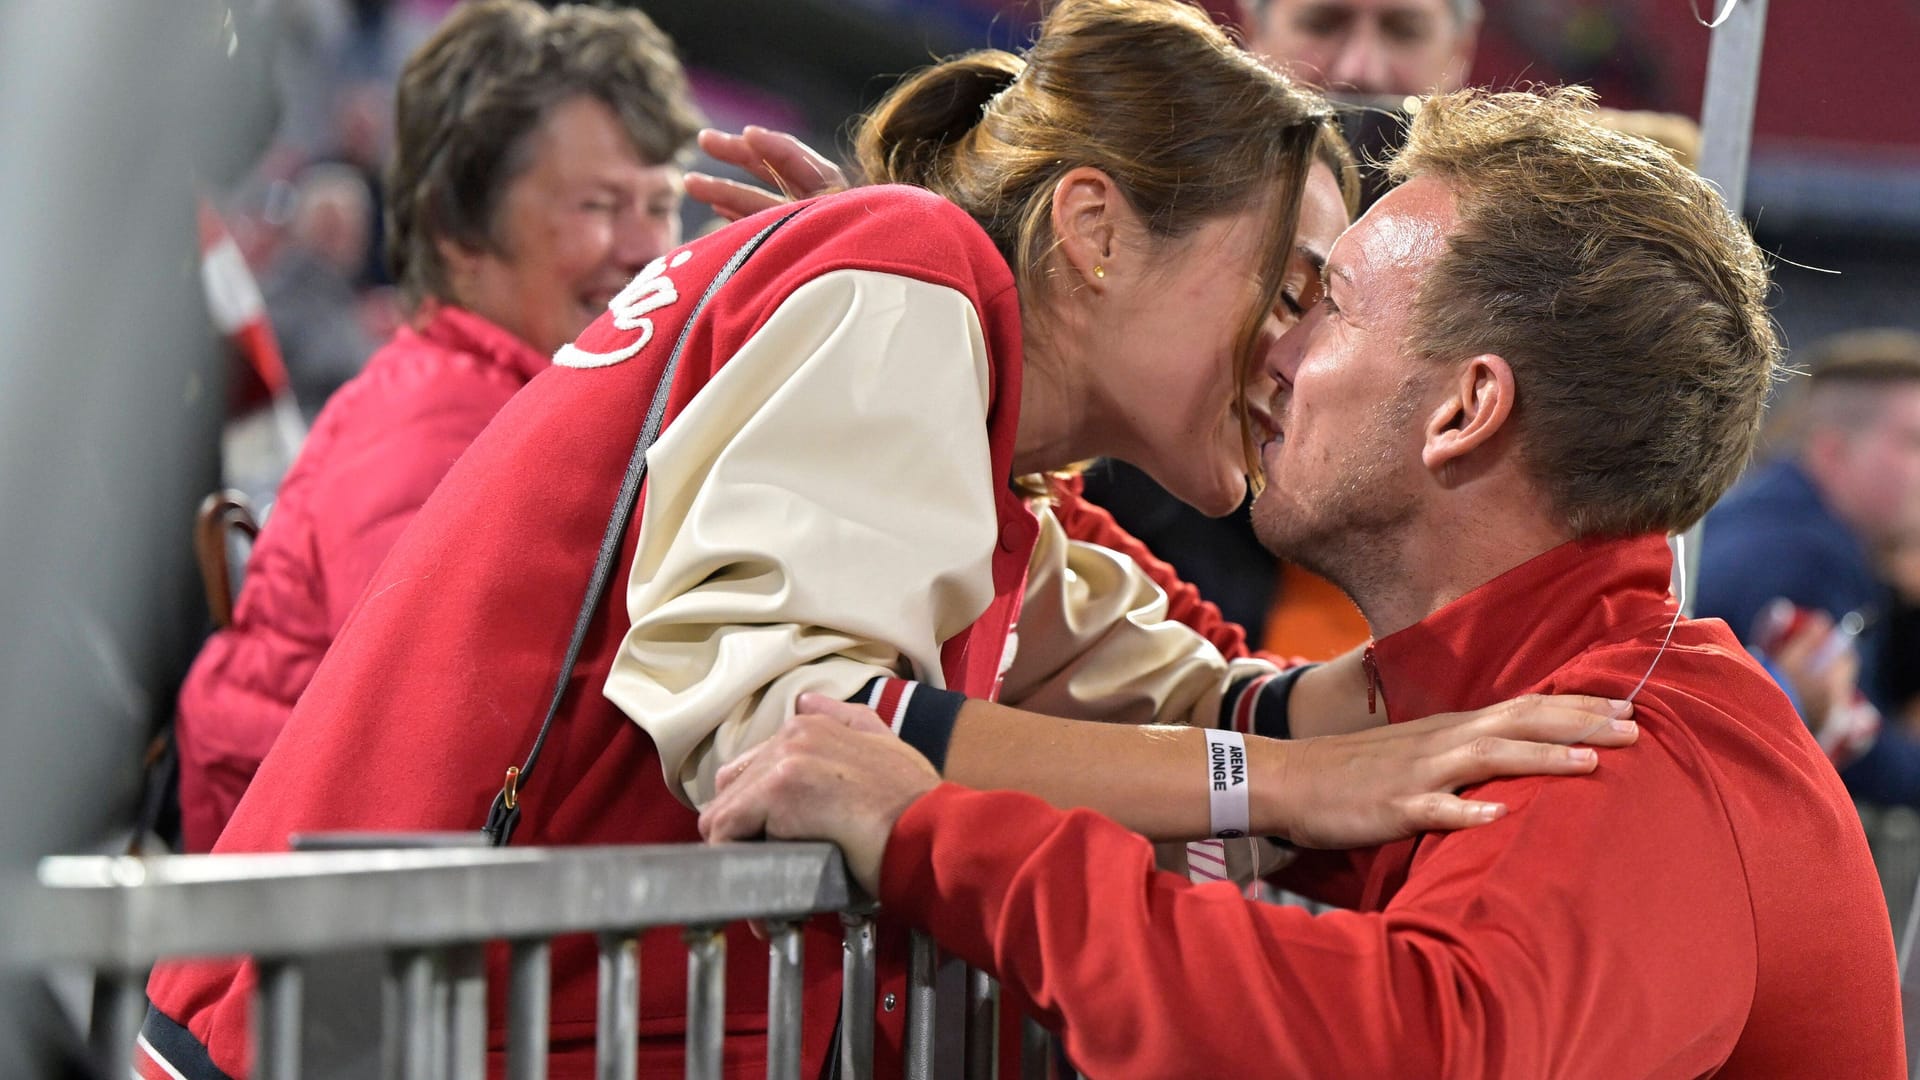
(1402, 233)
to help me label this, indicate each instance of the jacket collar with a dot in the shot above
(1507, 636)
(460, 330)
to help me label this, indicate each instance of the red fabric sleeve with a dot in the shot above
(1577, 937)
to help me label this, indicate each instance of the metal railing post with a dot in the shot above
(1036, 1050)
(706, 1001)
(617, 1032)
(276, 1020)
(466, 985)
(529, 994)
(983, 1025)
(856, 998)
(784, 980)
(119, 1008)
(420, 1028)
(922, 969)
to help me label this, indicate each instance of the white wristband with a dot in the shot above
(1227, 783)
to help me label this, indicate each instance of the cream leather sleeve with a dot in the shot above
(822, 513)
(1095, 643)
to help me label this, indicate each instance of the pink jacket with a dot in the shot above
(378, 450)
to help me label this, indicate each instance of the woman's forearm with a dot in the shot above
(1152, 779)
(1366, 787)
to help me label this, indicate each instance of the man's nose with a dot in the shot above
(1362, 64)
(1262, 383)
(1283, 356)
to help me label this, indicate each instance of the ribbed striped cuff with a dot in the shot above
(1257, 704)
(921, 715)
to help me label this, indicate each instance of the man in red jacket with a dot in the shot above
(1581, 369)
(536, 170)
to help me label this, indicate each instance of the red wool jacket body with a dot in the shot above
(463, 626)
(1703, 904)
(379, 448)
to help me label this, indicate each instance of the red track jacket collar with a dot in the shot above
(1503, 638)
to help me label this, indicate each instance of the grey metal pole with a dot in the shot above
(420, 1032)
(617, 1047)
(1726, 148)
(706, 1001)
(467, 1012)
(784, 978)
(1036, 1050)
(922, 965)
(856, 998)
(983, 1025)
(1726, 110)
(529, 994)
(119, 1008)
(276, 1018)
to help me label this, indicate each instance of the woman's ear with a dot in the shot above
(1476, 407)
(461, 265)
(1088, 214)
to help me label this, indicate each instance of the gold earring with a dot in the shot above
(1099, 271)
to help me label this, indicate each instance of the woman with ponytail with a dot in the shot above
(1093, 256)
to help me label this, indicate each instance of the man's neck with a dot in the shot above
(1446, 556)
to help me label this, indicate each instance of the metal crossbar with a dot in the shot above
(440, 906)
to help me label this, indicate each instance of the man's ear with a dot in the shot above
(1088, 214)
(1478, 402)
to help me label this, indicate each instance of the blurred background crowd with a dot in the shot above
(1833, 184)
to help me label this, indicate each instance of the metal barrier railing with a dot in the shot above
(440, 907)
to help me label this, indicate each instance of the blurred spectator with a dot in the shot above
(1900, 674)
(334, 50)
(1391, 47)
(536, 171)
(1813, 526)
(362, 141)
(311, 291)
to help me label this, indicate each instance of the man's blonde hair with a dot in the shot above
(1627, 299)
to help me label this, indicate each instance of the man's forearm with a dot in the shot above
(1069, 913)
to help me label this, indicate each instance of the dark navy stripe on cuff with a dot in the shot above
(176, 1047)
(1258, 704)
(921, 715)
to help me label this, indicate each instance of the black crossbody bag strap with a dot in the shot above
(504, 817)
